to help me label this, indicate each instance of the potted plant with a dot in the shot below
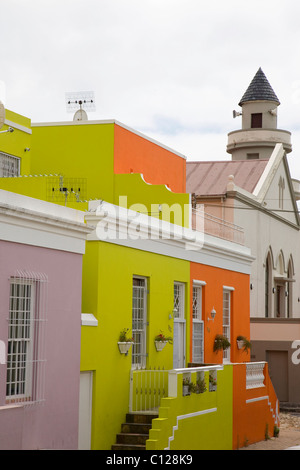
(124, 342)
(161, 340)
(243, 343)
(212, 383)
(201, 385)
(221, 343)
(186, 386)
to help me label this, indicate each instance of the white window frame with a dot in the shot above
(9, 165)
(26, 349)
(20, 341)
(198, 324)
(227, 291)
(139, 346)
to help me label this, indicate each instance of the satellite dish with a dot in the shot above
(2, 114)
(80, 115)
(80, 102)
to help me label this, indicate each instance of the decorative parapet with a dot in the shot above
(255, 376)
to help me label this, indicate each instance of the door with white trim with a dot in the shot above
(198, 325)
(179, 326)
(139, 322)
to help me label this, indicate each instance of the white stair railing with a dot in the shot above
(147, 388)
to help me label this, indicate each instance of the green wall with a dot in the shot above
(196, 422)
(15, 143)
(107, 293)
(81, 152)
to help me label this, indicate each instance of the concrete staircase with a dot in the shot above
(135, 432)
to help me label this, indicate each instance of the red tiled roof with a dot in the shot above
(211, 178)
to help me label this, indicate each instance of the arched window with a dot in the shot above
(268, 285)
(290, 274)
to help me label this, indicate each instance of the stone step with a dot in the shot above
(135, 432)
(129, 438)
(140, 418)
(290, 407)
(136, 428)
(127, 447)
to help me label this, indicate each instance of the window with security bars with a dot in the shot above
(226, 321)
(139, 322)
(26, 340)
(9, 165)
(198, 326)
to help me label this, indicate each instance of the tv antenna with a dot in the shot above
(80, 102)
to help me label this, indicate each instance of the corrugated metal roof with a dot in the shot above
(211, 178)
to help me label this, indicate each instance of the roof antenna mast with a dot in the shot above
(80, 102)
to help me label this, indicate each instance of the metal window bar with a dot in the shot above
(9, 165)
(26, 358)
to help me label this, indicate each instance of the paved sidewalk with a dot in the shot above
(289, 435)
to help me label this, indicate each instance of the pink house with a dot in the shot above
(41, 248)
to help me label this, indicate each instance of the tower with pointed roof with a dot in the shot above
(259, 133)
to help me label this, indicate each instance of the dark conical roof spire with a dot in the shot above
(259, 89)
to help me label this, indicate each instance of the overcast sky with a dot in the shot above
(172, 69)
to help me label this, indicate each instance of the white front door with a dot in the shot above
(85, 410)
(179, 326)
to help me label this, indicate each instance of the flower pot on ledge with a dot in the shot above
(124, 346)
(160, 345)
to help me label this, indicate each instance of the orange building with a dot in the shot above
(134, 153)
(228, 294)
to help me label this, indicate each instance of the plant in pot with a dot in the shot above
(212, 382)
(221, 343)
(161, 340)
(187, 386)
(243, 343)
(125, 341)
(201, 385)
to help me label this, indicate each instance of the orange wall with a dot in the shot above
(252, 420)
(215, 279)
(135, 154)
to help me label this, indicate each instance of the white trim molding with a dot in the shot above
(125, 227)
(15, 125)
(31, 221)
(88, 319)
